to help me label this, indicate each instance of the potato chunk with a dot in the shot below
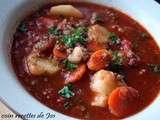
(103, 83)
(66, 10)
(40, 66)
(100, 100)
(77, 55)
(98, 33)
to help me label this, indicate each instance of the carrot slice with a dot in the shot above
(94, 46)
(59, 54)
(76, 75)
(99, 60)
(123, 101)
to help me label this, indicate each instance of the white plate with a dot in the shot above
(146, 12)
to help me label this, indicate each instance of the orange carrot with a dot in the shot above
(99, 60)
(59, 54)
(94, 46)
(122, 101)
(76, 75)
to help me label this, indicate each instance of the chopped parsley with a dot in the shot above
(135, 44)
(144, 35)
(114, 39)
(78, 36)
(67, 105)
(70, 66)
(69, 41)
(117, 63)
(54, 31)
(98, 18)
(154, 68)
(23, 28)
(118, 58)
(66, 91)
(116, 68)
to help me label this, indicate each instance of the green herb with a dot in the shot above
(70, 86)
(116, 68)
(69, 41)
(78, 36)
(23, 28)
(117, 64)
(134, 44)
(144, 35)
(65, 62)
(154, 68)
(54, 31)
(67, 105)
(98, 18)
(70, 66)
(118, 58)
(115, 40)
(66, 91)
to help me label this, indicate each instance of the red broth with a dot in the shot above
(45, 87)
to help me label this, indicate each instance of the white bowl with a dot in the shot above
(146, 12)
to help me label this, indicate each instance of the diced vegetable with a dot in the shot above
(79, 34)
(69, 41)
(54, 31)
(100, 100)
(114, 39)
(118, 68)
(40, 66)
(103, 83)
(122, 100)
(67, 105)
(118, 58)
(70, 66)
(98, 33)
(95, 46)
(66, 92)
(154, 68)
(134, 44)
(58, 54)
(99, 60)
(77, 55)
(23, 28)
(76, 75)
(144, 35)
(66, 10)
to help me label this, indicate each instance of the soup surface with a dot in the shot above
(86, 61)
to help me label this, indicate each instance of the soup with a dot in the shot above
(86, 61)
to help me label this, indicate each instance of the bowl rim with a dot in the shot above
(4, 97)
